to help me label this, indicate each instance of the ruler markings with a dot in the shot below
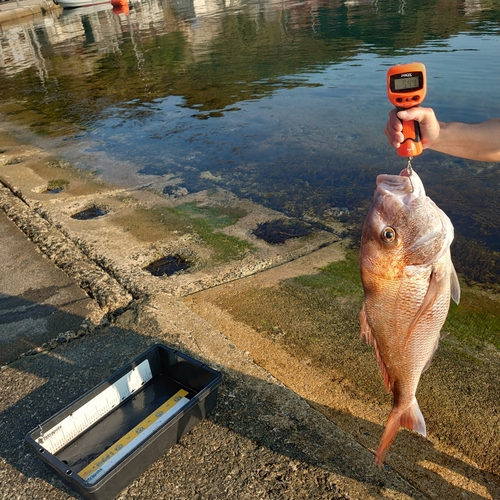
(116, 452)
(60, 435)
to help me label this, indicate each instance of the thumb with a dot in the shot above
(417, 113)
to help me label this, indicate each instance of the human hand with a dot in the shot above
(429, 126)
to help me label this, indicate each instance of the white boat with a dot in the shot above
(70, 4)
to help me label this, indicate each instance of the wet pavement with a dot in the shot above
(261, 441)
(75, 309)
(38, 302)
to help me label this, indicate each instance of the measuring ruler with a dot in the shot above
(109, 458)
(80, 420)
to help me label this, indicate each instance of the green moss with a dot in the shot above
(56, 185)
(151, 224)
(217, 217)
(225, 247)
(204, 220)
(476, 319)
(337, 279)
(460, 353)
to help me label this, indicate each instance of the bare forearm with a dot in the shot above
(479, 141)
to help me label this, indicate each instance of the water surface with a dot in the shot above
(282, 102)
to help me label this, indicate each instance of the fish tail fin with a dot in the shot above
(411, 418)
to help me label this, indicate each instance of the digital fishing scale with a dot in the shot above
(406, 88)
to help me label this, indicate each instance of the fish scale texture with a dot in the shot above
(407, 277)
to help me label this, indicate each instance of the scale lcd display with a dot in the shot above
(407, 83)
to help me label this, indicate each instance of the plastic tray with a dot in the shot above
(114, 432)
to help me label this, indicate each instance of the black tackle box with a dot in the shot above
(114, 432)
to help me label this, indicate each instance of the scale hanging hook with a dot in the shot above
(409, 171)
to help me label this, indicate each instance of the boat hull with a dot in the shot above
(72, 4)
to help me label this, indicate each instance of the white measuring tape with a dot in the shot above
(108, 459)
(73, 425)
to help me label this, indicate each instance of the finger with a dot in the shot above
(394, 121)
(394, 126)
(417, 114)
(393, 136)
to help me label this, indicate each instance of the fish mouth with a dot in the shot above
(401, 184)
(394, 183)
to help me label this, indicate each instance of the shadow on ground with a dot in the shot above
(261, 441)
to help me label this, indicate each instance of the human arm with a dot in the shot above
(480, 141)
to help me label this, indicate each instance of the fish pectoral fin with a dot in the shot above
(411, 418)
(367, 333)
(433, 290)
(455, 285)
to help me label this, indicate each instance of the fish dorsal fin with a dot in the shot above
(455, 285)
(367, 333)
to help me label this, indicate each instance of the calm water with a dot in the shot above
(283, 102)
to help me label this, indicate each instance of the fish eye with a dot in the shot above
(388, 234)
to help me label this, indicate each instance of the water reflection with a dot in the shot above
(283, 102)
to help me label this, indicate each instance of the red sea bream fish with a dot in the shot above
(408, 279)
